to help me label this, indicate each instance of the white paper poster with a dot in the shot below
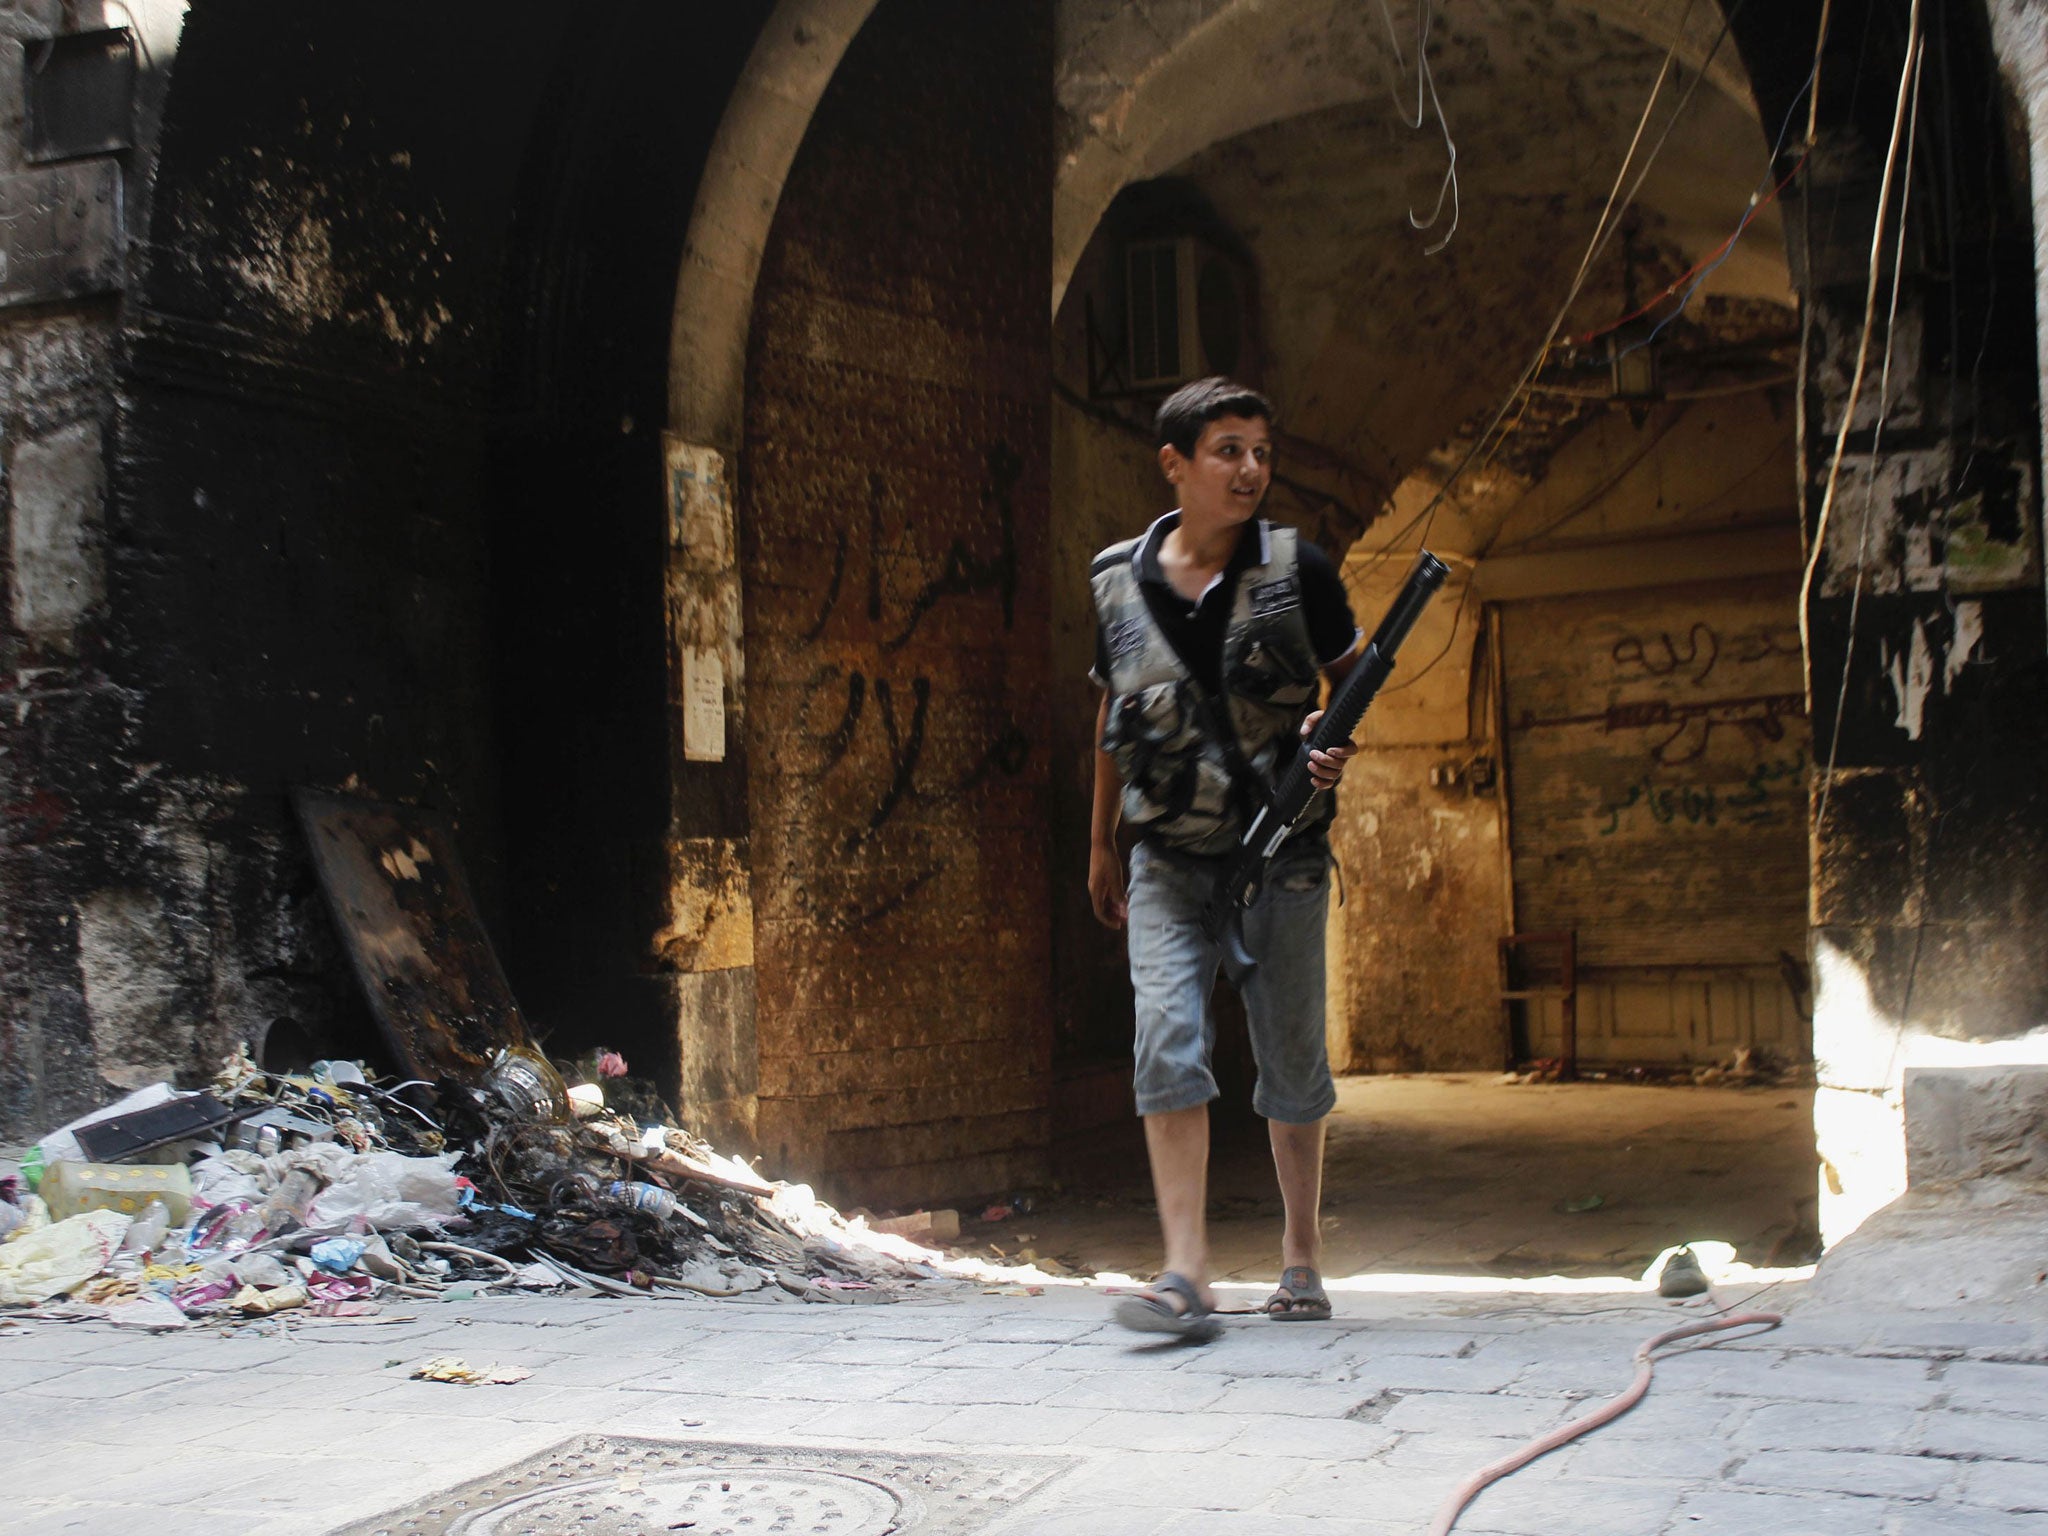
(703, 707)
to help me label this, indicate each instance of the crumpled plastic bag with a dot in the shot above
(35, 1216)
(148, 1311)
(60, 1257)
(338, 1255)
(383, 1191)
(261, 1269)
(361, 1191)
(227, 1178)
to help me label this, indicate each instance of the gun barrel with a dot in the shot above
(1424, 579)
(1347, 706)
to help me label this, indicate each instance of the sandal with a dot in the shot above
(1300, 1298)
(1152, 1310)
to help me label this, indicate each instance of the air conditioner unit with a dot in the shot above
(1185, 312)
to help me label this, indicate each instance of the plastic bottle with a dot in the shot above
(651, 1198)
(146, 1233)
(73, 1187)
(290, 1206)
(526, 1083)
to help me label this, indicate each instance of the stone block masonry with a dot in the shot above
(893, 532)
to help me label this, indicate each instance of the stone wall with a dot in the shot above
(1926, 655)
(893, 530)
(334, 460)
(84, 984)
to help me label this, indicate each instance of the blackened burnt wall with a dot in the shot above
(893, 510)
(1929, 684)
(298, 577)
(578, 521)
(380, 411)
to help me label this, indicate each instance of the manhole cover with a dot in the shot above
(609, 1485)
(713, 1502)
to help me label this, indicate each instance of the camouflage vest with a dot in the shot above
(1178, 788)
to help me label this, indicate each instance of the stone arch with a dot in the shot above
(764, 122)
(1137, 105)
(706, 941)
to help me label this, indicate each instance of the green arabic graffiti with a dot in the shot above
(1706, 805)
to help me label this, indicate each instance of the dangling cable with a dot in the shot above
(1610, 220)
(1696, 278)
(1907, 73)
(1425, 92)
(1884, 395)
(1401, 64)
(1449, 185)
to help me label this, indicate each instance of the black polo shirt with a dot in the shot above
(1195, 630)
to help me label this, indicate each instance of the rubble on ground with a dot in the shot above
(1746, 1067)
(329, 1193)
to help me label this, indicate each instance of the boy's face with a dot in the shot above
(1225, 479)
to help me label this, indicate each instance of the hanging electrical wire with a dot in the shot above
(1603, 231)
(1907, 74)
(1695, 278)
(1425, 91)
(1916, 59)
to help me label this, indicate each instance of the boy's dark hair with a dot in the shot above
(1193, 406)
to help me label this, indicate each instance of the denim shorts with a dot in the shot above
(1173, 971)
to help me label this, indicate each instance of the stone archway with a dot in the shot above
(764, 123)
(707, 945)
(1138, 103)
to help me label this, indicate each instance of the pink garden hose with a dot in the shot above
(1606, 1413)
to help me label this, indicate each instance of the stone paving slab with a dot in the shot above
(1356, 1428)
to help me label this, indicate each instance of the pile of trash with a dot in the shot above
(325, 1192)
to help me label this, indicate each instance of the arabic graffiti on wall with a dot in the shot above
(1696, 652)
(1748, 804)
(875, 722)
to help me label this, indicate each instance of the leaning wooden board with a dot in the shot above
(395, 886)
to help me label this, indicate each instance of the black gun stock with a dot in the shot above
(1240, 886)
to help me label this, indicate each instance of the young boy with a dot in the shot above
(1213, 631)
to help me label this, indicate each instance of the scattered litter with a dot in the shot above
(927, 1227)
(37, 1265)
(1579, 1203)
(448, 1368)
(252, 1302)
(321, 1197)
(1748, 1067)
(156, 1314)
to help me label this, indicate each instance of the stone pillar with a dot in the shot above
(707, 946)
(1926, 650)
(63, 264)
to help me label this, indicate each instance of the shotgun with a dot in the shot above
(1223, 920)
